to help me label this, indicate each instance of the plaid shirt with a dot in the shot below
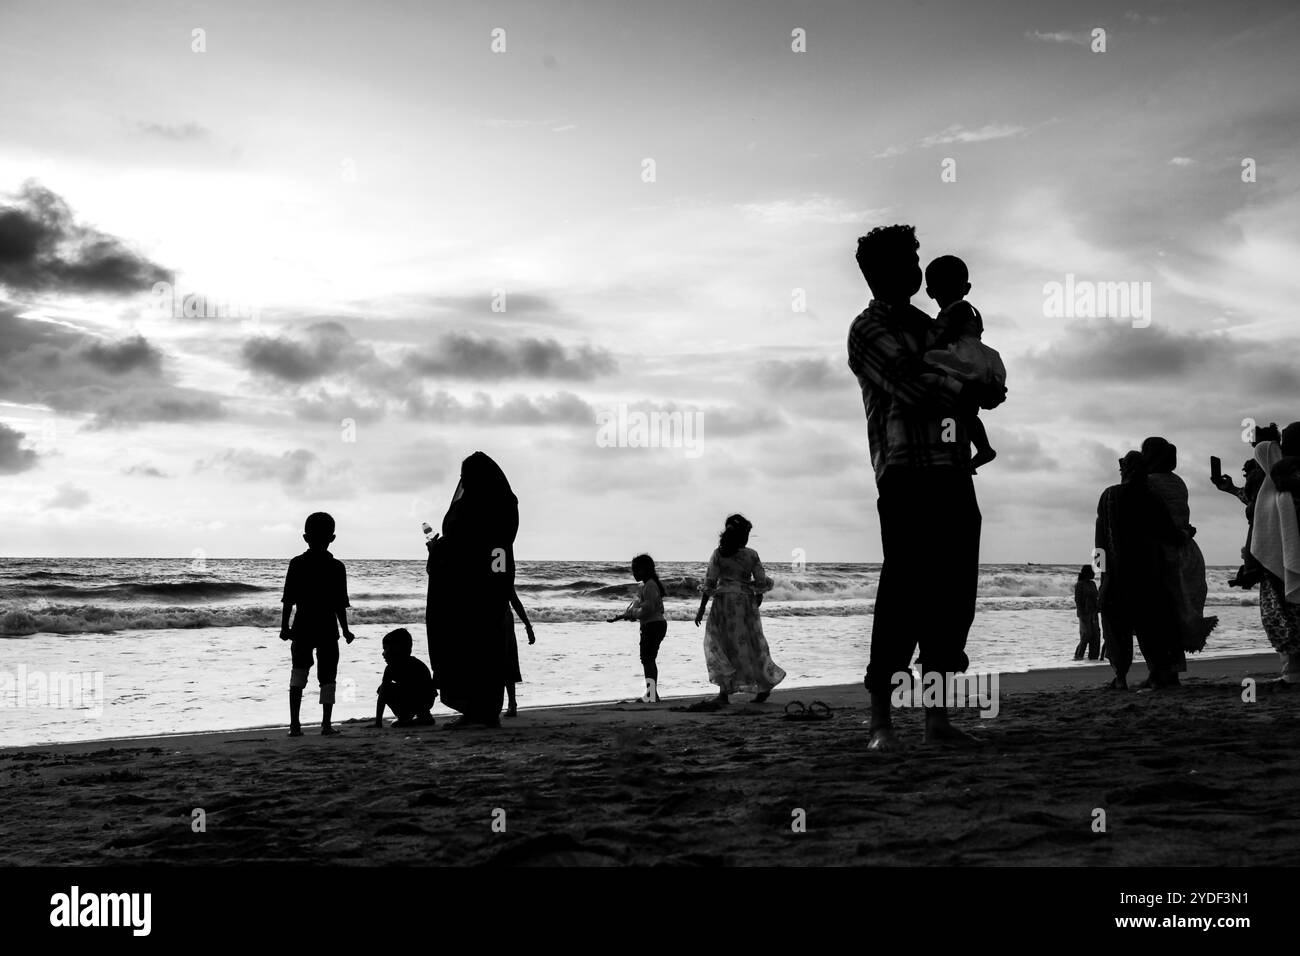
(905, 415)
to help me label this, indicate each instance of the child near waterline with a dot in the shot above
(407, 687)
(735, 649)
(1086, 609)
(317, 585)
(513, 676)
(648, 608)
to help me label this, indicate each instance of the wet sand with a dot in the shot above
(1192, 777)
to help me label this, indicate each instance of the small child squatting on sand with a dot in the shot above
(954, 345)
(317, 584)
(648, 608)
(407, 688)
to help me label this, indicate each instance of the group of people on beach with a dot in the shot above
(1154, 583)
(469, 619)
(1153, 573)
(924, 383)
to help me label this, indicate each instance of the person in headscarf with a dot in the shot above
(1132, 527)
(1184, 565)
(1275, 544)
(471, 570)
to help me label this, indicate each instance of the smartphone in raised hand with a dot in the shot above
(1216, 469)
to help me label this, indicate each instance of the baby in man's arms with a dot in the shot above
(954, 345)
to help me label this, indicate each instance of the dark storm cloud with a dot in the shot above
(290, 467)
(162, 404)
(13, 457)
(43, 249)
(484, 359)
(351, 380)
(299, 472)
(1115, 352)
(118, 382)
(118, 358)
(324, 348)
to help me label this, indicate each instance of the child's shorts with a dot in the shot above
(327, 661)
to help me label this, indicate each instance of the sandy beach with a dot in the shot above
(1194, 777)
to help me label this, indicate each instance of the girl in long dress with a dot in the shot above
(471, 581)
(735, 649)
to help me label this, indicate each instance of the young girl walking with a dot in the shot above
(735, 649)
(648, 608)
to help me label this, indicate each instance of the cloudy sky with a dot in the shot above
(419, 247)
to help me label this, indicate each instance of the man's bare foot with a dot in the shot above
(512, 711)
(1163, 681)
(295, 731)
(378, 724)
(939, 730)
(981, 458)
(329, 731)
(884, 740)
(1117, 683)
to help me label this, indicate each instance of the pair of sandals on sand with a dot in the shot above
(795, 710)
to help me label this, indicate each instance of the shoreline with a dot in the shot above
(1082, 675)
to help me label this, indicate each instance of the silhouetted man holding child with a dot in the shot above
(929, 516)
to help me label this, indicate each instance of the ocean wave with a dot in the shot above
(174, 590)
(581, 586)
(93, 618)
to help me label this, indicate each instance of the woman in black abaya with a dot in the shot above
(471, 579)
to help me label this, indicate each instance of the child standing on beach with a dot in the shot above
(648, 608)
(513, 676)
(1087, 610)
(407, 687)
(954, 345)
(316, 584)
(735, 649)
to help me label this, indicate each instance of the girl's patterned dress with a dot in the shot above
(735, 649)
